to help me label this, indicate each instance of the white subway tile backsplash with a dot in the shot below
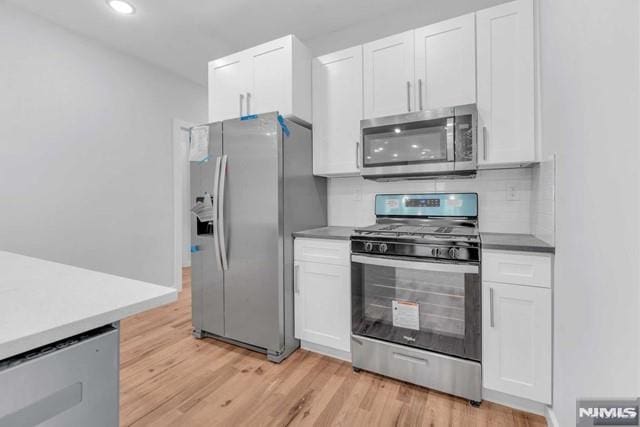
(496, 213)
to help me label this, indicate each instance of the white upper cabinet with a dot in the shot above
(274, 76)
(389, 76)
(446, 63)
(228, 81)
(270, 76)
(505, 50)
(337, 111)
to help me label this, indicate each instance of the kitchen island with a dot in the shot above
(59, 340)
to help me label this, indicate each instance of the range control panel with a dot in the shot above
(427, 205)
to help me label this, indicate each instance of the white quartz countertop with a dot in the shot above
(42, 301)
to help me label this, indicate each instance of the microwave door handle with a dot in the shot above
(450, 142)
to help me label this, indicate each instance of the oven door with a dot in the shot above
(428, 305)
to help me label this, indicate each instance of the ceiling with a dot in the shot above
(183, 35)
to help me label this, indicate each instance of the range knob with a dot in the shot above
(434, 252)
(453, 253)
(368, 246)
(382, 248)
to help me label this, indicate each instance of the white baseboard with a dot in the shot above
(552, 421)
(515, 402)
(326, 351)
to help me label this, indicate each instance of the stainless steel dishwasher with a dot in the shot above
(72, 382)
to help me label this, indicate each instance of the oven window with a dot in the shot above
(432, 310)
(409, 143)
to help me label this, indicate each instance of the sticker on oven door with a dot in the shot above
(406, 314)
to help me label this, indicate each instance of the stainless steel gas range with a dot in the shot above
(416, 294)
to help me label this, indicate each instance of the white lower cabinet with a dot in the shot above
(516, 340)
(322, 299)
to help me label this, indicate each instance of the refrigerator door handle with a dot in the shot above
(216, 245)
(221, 237)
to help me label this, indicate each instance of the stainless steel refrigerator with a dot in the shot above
(259, 177)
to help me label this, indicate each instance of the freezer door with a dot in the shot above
(252, 230)
(206, 275)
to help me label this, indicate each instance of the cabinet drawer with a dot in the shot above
(322, 251)
(516, 268)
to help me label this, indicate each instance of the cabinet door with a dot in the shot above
(388, 76)
(337, 111)
(516, 340)
(446, 63)
(322, 304)
(506, 83)
(227, 87)
(270, 77)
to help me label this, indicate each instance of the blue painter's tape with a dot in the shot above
(251, 117)
(283, 125)
(206, 159)
(195, 248)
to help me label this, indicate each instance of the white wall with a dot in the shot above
(86, 150)
(351, 200)
(543, 200)
(590, 52)
(418, 15)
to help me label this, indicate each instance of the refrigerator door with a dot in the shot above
(252, 231)
(207, 276)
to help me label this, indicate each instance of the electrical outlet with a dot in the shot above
(512, 193)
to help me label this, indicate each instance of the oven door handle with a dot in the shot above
(415, 265)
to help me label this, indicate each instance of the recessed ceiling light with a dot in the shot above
(397, 130)
(122, 7)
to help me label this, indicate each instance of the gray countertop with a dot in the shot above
(500, 241)
(333, 233)
(515, 242)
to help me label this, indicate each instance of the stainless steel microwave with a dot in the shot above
(419, 145)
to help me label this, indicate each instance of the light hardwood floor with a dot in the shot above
(169, 378)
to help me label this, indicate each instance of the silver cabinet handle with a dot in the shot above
(216, 242)
(491, 319)
(221, 236)
(296, 285)
(420, 94)
(241, 102)
(248, 103)
(408, 96)
(484, 142)
(357, 154)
